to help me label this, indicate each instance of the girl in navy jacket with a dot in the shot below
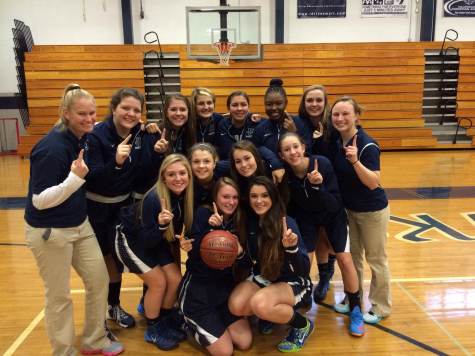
(280, 267)
(318, 135)
(205, 291)
(178, 129)
(313, 190)
(146, 244)
(207, 169)
(206, 120)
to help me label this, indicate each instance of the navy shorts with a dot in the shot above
(301, 287)
(104, 218)
(336, 229)
(138, 259)
(204, 304)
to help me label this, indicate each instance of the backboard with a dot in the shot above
(206, 27)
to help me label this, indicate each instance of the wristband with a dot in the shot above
(355, 162)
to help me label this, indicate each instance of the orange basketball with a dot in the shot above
(219, 249)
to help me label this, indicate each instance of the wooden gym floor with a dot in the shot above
(431, 244)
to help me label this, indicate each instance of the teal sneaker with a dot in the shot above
(296, 338)
(356, 322)
(343, 307)
(372, 318)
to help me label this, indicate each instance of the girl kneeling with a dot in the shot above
(204, 291)
(280, 267)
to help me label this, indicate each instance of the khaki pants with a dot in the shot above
(368, 238)
(55, 252)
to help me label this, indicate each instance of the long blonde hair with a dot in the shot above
(71, 93)
(164, 193)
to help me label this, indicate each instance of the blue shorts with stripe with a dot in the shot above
(204, 304)
(138, 259)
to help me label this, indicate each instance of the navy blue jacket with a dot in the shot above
(50, 164)
(225, 137)
(268, 133)
(150, 163)
(296, 261)
(208, 133)
(319, 202)
(104, 177)
(319, 146)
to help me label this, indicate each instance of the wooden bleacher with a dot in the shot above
(466, 91)
(386, 78)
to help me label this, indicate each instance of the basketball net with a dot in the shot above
(224, 51)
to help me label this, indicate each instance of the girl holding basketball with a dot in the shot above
(313, 189)
(146, 244)
(357, 167)
(280, 281)
(204, 291)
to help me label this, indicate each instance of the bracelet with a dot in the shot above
(355, 162)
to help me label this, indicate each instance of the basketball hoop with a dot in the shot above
(224, 49)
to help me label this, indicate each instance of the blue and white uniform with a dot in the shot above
(296, 265)
(108, 186)
(140, 242)
(318, 205)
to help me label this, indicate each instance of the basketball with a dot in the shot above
(219, 249)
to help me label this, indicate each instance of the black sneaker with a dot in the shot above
(321, 290)
(120, 316)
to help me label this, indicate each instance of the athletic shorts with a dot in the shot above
(204, 305)
(136, 258)
(104, 218)
(336, 229)
(301, 287)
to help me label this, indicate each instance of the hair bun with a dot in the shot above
(276, 82)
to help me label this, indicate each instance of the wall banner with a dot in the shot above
(321, 8)
(384, 8)
(459, 8)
